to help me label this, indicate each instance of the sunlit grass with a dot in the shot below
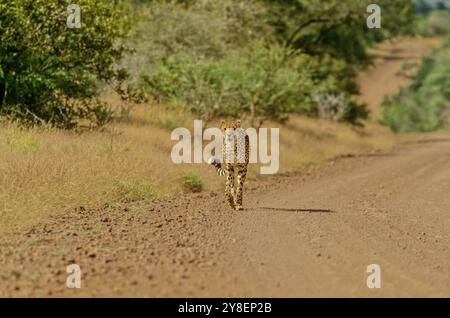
(46, 172)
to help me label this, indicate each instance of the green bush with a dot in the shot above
(257, 59)
(50, 74)
(206, 28)
(192, 182)
(23, 140)
(425, 106)
(259, 84)
(436, 23)
(134, 191)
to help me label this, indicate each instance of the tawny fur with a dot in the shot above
(238, 162)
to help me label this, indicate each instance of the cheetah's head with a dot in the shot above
(229, 128)
(230, 124)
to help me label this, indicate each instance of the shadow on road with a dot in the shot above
(298, 210)
(368, 155)
(431, 140)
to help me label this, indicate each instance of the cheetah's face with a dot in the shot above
(230, 125)
(228, 128)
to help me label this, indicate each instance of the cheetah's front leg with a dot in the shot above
(241, 175)
(229, 186)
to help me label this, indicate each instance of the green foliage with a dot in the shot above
(337, 27)
(50, 74)
(260, 84)
(21, 140)
(425, 106)
(204, 28)
(258, 59)
(422, 7)
(134, 191)
(437, 23)
(192, 182)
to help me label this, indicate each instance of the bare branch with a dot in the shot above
(303, 26)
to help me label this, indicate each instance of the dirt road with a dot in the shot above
(307, 234)
(390, 209)
(310, 234)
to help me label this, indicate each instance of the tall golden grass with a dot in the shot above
(45, 172)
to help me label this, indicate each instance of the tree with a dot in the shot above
(262, 59)
(50, 73)
(337, 27)
(422, 7)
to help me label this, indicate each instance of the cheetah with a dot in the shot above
(235, 156)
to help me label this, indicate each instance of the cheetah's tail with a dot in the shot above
(216, 163)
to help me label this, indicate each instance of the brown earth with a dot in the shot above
(306, 234)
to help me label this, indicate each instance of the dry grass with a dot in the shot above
(307, 141)
(47, 172)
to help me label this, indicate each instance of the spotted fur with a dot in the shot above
(235, 156)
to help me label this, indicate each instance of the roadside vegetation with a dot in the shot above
(49, 74)
(258, 60)
(86, 114)
(45, 172)
(425, 105)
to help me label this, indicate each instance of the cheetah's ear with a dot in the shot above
(222, 123)
(238, 123)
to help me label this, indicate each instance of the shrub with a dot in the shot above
(257, 59)
(206, 28)
(260, 84)
(134, 191)
(425, 105)
(436, 23)
(50, 74)
(21, 139)
(192, 182)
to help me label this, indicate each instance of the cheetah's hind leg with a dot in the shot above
(241, 175)
(229, 185)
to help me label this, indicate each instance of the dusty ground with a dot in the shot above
(309, 234)
(306, 234)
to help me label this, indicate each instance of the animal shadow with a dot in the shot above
(298, 210)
